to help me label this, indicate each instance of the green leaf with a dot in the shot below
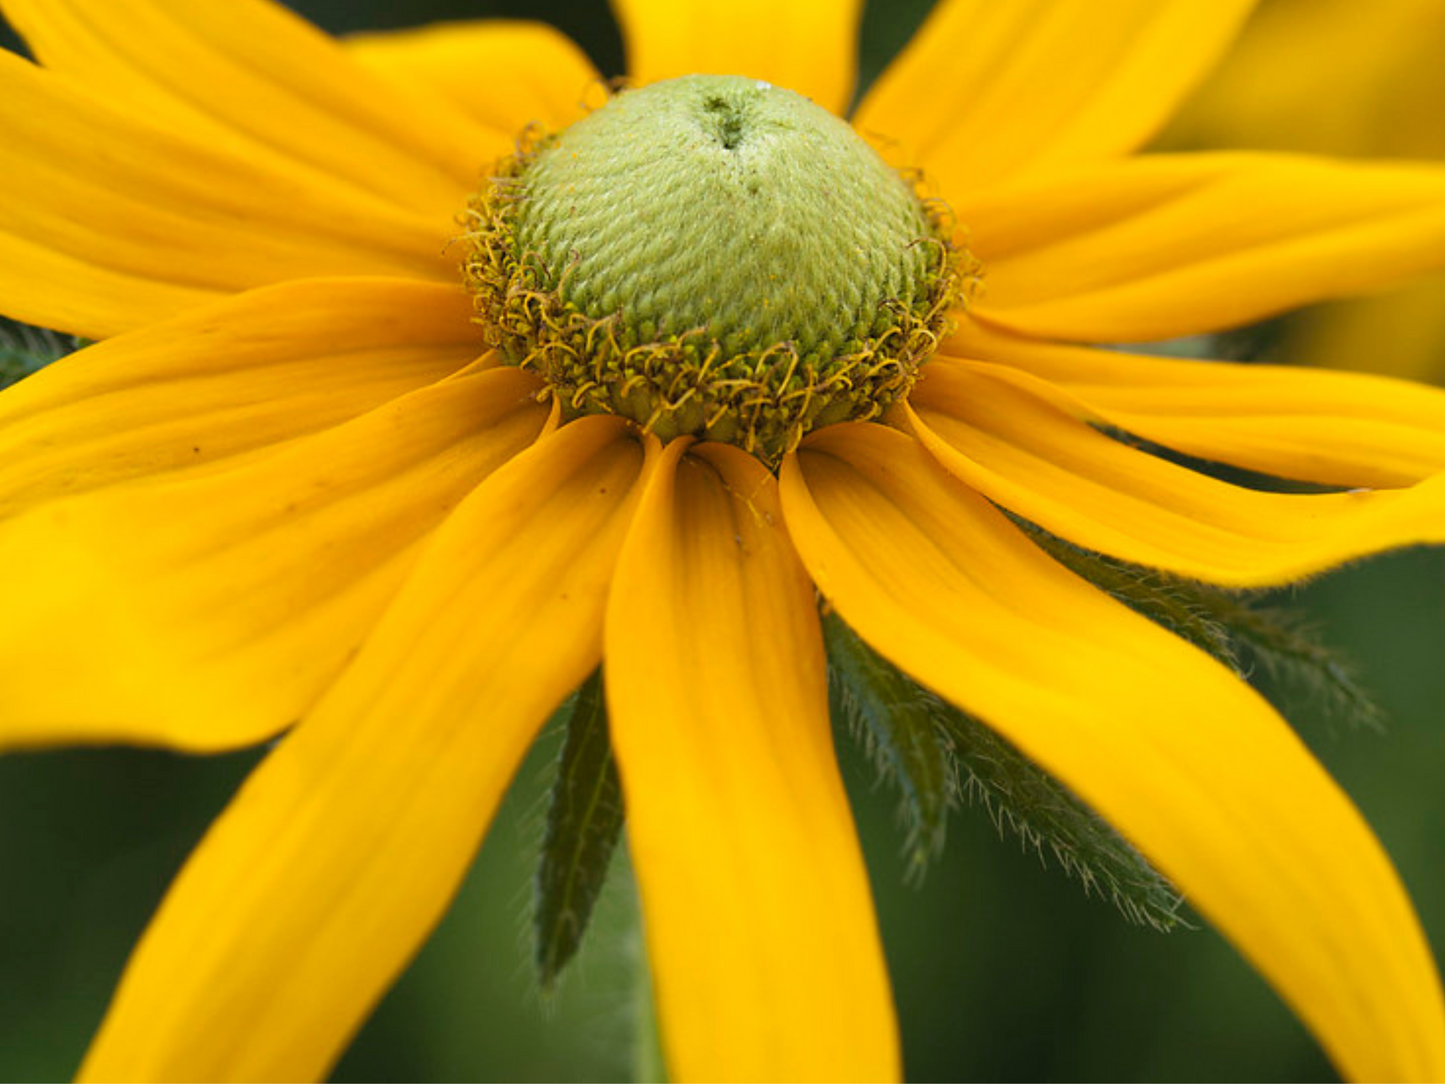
(940, 757)
(885, 711)
(584, 821)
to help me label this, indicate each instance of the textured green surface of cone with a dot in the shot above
(728, 204)
(717, 256)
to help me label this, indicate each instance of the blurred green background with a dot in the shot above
(1002, 968)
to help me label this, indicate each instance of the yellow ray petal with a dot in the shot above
(1028, 446)
(1335, 428)
(505, 74)
(341, 852)
(988, 91)
(107, 223)
(810, 46)
(1158, 246)
(211, 612)
(1185, 759)
(251, 78)
(230, 377)
(760, 927)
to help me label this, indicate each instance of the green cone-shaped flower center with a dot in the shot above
(712, 255)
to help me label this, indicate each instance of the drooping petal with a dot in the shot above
(251, 78)
(228, 378)
(208, 613)
(992, 91)
(810, 46)
(107, 223)
(505, 74)
(760, 927)
(1334, 428)
(1179, 754)
(1028, 447)
(341, 852)
(1169, 245)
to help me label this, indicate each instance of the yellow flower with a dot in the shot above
(1336, 77)
(292, 487)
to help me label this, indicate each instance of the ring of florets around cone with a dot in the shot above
(719, 379)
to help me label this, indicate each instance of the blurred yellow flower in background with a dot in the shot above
(1340, 77)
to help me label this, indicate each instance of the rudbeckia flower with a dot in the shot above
(1377, 66)
(421, 393)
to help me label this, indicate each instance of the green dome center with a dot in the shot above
(716, 256)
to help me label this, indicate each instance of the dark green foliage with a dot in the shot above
(940, 757)
(24, 350)
(584, 821)
(1284, 646)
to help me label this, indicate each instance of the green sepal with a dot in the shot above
(1021, 797)
(940, 756)
(584, 821)
(1186, 608)
(884, 711)
(1281, 643)
(1234, 627)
